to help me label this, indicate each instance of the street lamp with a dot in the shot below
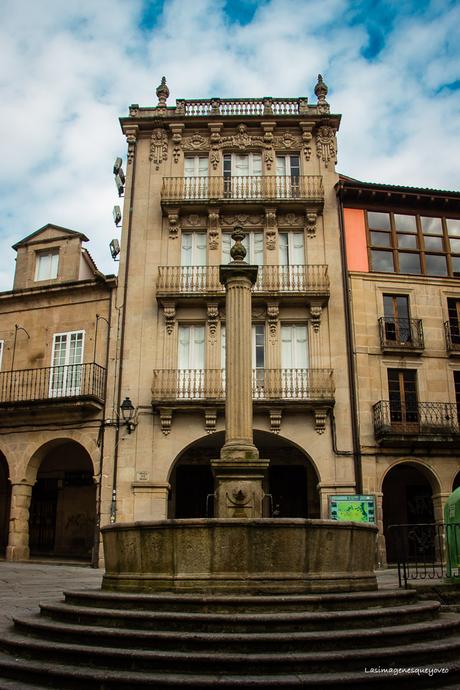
(127, 412)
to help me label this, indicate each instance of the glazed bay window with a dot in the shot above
(46, 265)
(413, 244)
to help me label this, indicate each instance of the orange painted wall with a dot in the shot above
(355, 239)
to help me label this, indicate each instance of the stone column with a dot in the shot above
(239, 472)
(18, 538)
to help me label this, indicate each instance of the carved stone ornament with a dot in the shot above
(243, 219)
(214, 157)
(315, 316)
(196, 142)
(242, 140)
(320, 419)
(310, 223)
(287, 140)
(290, 219)
(210, 419)
(213, 229)
(169, 310)
(270, 228)
(321, 93)
(273, 312)
(131, 137)
(158, 147)
(174, 222)
(134, 110)
(176, 130)
(325, 144)
(165, 419)
(307, 136)
(194, 221)
(213, 320)
(269, 157)
(275, 419)
(215, 127)
(162, 94)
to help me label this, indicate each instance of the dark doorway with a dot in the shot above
(63, 505)
(194, 483)
(288, 488)
(407, 500)
(5, 500)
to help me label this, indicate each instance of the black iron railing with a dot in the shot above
(422, 551)
(420, 418)
(52, 383)
(452, 332)
(397, 334)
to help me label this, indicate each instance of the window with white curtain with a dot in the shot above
(66, 363)
(253, 243)
(191, 361)
(196, 177)
(46, 265)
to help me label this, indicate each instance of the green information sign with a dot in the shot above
(352, 508)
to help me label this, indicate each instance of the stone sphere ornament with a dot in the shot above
(238, 251)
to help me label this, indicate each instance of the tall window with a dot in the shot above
(46, 265)
(196, 177)
(191, 361)
(414, 244)
(457, 393)
(397, 324)
(294, 360)
(453, 307)
(2, 344)
(254, 244)
(193, 249)
(402, 391)
(288, 176)
(242, 175)
(66, 363)
(292, 260)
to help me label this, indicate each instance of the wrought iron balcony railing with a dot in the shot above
(310, 279)
(243, 188)
(431, 419)
(241, 106)
(401, 334)
(452, 331)
(52, 383)
(308, 385)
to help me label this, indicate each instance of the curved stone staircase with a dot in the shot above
(101, 640)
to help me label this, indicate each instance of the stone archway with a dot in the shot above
(63, 503)
(5, 502)
(290, 486)
(408, 489)
(456, 482)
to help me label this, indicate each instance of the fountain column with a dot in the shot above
(239, 472)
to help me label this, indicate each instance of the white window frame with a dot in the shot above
(196, 184)
(65, 378)
(190, 379)
(53, 269)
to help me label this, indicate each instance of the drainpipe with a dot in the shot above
(357, 456)
(113, 507)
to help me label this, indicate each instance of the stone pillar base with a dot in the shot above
(17, 553)
(239, 485)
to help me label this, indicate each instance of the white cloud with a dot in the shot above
(68, 72)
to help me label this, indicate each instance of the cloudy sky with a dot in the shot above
(69, 70)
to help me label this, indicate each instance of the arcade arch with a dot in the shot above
(5, 501)
(62, 513)
(292, 480)
(408, 488)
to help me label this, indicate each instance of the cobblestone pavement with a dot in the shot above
(24, 585)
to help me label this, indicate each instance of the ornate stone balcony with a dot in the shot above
(202, 107)
(401, 335)
(275, 389)
(242, 189)
(310, 280)
(74, 386)
(420, 423)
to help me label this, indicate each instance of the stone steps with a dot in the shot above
(251, 622)
(39, 674)
(238, 642)
(89, 640)
(243, 604)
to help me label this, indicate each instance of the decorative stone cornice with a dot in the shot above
(210, 419)
(320, 414)
(310, 222)
(166, 414)
(173, 222)
(169, 310)
(275, 414)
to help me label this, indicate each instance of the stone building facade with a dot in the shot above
(54, 328)
(195, 171)
(403, 259)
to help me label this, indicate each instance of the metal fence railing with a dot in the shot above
(422, 550)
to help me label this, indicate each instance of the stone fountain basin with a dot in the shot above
(282, 555)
